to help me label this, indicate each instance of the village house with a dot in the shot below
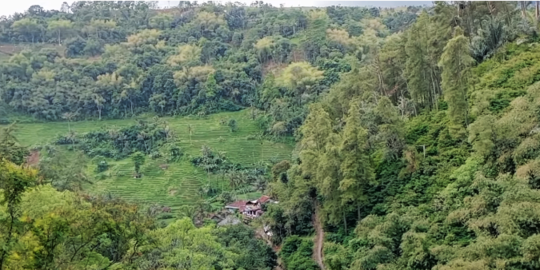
(250, 209)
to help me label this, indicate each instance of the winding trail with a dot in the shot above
(319, 238)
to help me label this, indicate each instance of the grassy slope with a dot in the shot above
(178, 184)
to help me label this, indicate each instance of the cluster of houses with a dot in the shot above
(250, 209)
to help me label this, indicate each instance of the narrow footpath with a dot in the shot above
(319, 238)
(260, 234)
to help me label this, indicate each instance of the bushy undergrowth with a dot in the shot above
(144, 137)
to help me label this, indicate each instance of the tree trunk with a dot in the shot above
(537, 10)
(523, 9)
(9, 235)
(490, 8)
(434, 90)
(345, 223)
(358, 209)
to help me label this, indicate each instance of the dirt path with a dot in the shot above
(319, 238)
(260, 234)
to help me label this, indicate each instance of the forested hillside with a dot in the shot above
(116, 60)
(416, 133)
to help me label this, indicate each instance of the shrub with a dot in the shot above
(155, 155)
(165, 216)
(143, 137)
(138, 160)
(102, 166)
(296, 253)
(175, 153)
(233, 125)
(66, 140)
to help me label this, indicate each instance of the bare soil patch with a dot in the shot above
(33, 159)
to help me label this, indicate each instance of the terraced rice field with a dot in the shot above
(178, 184)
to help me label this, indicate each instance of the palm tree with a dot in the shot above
(201, 208)
(142, 137)
(71, 136)
(261, 141)
(253, 112)
(206, 152)
(9, 147)
(190, 131)
(114, 132)
(260, 183)
(188, 211)
(128, 92)
(69, 116)
(98, 100)
(236, 179)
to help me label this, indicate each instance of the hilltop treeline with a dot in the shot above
(119, 59)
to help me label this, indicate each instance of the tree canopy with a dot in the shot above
(416, 134)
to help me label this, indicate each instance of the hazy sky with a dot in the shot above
(8, 7)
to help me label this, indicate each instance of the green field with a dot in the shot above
(178, 184)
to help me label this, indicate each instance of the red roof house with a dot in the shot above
(249, 208)
(240, 205)
(264, 199)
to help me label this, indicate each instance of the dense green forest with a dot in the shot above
(416, 133)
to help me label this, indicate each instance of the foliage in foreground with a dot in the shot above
(60, 230)
(43, 228)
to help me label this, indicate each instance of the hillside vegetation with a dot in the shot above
(168, 183)
(416, 136)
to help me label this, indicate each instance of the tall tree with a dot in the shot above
(61, 28)
(316, 131)
(393, 59)
(390, 129)
(190, 130)
(138, 160)
(327, 180)
(28, 28)
(421, 72)
(14, 181)
(9, 147)
(425, 43)
(301, 78)
(69, 116)
(456, 63)
(320, 160)
(355, 162)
